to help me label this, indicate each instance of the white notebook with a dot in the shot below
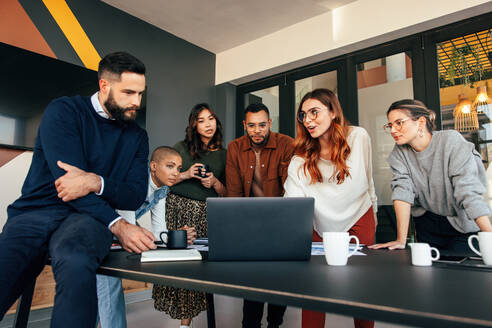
(171, 255)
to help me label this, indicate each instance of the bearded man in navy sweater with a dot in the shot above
(89, 159)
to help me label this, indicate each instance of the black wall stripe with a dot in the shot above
(51, 32)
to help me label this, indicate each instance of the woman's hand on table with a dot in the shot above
(396, 244)
(190, 233)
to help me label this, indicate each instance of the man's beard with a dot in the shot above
(117, 112)
(262, 143)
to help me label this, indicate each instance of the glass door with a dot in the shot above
(270, 98)
(380, 82)
(327, 75)
(384, 75)
(327, 80)
(268, 92)
(465, 91)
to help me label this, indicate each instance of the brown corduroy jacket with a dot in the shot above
(274, 161)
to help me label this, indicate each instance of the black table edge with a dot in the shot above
(347, 307)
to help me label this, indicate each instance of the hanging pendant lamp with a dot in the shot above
(465, 115)
(482, 101)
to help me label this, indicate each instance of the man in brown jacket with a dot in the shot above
(257, 167)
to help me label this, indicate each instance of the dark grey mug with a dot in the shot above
(176, 239)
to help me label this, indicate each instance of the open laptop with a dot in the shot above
(257, 229)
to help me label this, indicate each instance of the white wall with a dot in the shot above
(7, 130)
(291, 43)
(359, 24)
(12, 175)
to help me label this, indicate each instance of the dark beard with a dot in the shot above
(260, 144)
(117, 112)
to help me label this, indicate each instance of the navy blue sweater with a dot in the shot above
(72, 132)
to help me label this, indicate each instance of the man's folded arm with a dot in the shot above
(60, 140)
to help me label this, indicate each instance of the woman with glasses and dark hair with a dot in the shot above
(202, 176)
(438, 177)
(332, 164)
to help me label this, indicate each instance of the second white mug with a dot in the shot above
(336, 245)
(485, 243)
(422, 254)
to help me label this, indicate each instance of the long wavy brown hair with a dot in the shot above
(192, 137)
(309, 148)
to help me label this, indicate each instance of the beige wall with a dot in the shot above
(351, 27)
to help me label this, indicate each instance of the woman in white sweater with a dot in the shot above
(332, 164)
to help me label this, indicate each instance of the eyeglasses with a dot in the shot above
(252, 126)
(398, 124)
(312, 114)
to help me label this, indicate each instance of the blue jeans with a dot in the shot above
(111, 302)
(110, 297)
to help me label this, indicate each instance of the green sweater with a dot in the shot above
(192, 188)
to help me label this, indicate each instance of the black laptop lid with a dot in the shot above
(264, 228)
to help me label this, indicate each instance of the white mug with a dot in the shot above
(336, 245)
(422, 254)
(485, 243)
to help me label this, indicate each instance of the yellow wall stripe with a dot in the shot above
(75, 34)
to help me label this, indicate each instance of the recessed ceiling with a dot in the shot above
(218, 25)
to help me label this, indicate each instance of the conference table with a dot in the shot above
(383, 286)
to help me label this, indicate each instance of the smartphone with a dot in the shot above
(451, 259)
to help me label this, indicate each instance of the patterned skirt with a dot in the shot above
(177, 302)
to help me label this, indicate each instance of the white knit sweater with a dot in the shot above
(337, 207)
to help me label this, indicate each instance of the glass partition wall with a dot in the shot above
(379, 83)
(465, 80)
(282, 94)
(383, 76)
(325, 80)
(424, 66)
(270, 92)
(465, 85)
(270, 98)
